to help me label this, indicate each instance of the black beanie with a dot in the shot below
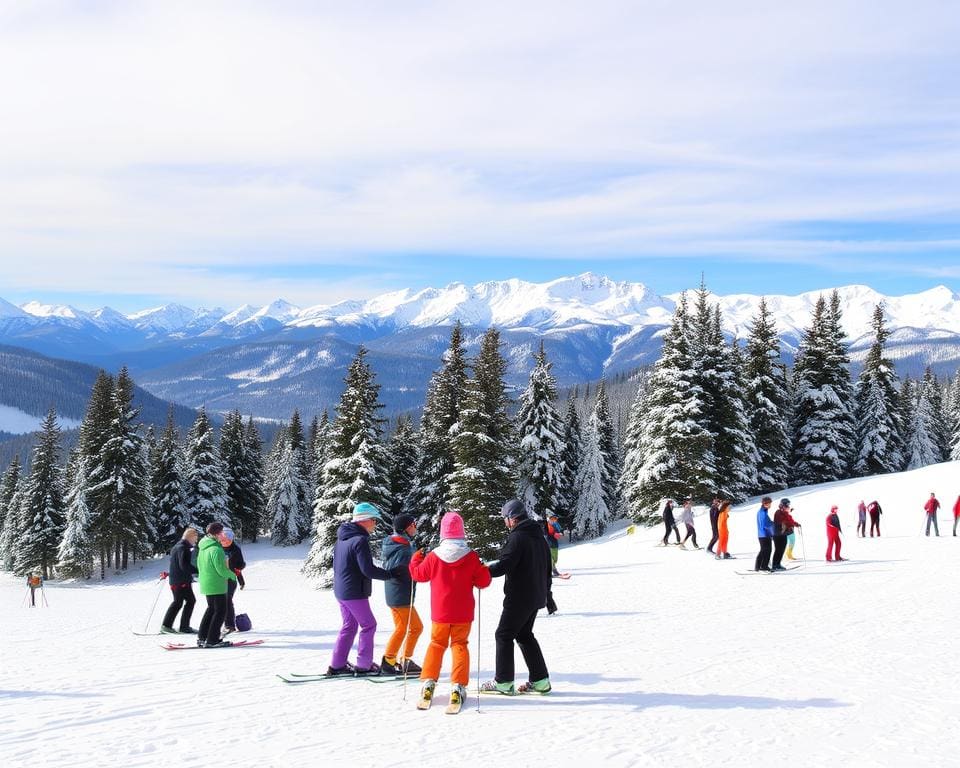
(513, 510)
(402, 522)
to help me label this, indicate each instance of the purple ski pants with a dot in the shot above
(355, 613)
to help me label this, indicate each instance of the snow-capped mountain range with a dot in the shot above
(592, 326)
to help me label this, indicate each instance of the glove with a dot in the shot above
(418, 555)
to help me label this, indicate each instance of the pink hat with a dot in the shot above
(451, 526)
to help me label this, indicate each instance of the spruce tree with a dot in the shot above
(8, 486)
(677, 455)
(907, 411)
(483, 480)
(822, 416)
(254, 501)
(953, 415)
(357, 468)
(95, 430)
(43, 509)
(283, 506)
(540, 463)
(767, 402)
(606, 434)
(633, 458)
(404, 456)
(169, 510)
(570, 463)
(232, 450)
(879, 449)
(13, 524)
(301, 474)
(591, 513)
(926, 444)
(439, 425)
(204, 484)
(75, 554)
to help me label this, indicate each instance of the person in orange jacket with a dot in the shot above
(453, 570)
(833, 535)
(723, 531)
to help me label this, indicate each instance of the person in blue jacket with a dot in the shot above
(764, 534)
(353, 574)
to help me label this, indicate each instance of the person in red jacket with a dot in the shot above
(874, 509)
(956, 514)
(833, 535)
(931, 508)
(453, 570)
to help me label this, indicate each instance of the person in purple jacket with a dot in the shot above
(353, 574)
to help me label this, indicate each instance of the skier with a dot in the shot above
(931, 508)
(525, 561)
(554, 534)
(180, 579)
(723, 531)
(833, 535)
(862, 520)
(764, 535)
(956, 514)
(34, 582)
(714, 525)
(669, 522)
(874, 509)
(453, 570)
(236, 564)
(397, 550)
(783, 525)
(214, 575)
(686, 517)
(353, 574)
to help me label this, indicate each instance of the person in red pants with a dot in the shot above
(833, 535)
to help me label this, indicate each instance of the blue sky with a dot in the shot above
(229, 153)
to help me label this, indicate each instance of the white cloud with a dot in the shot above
(184, 136)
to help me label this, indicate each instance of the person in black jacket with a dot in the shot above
(236, 564)
(525, 562)
(180, 579)
(714, 524)
(669, 522)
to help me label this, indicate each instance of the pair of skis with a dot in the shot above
(452, 708)
(294, 677)
(768, 573)
(194, 647)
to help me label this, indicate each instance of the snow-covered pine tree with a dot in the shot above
(232, 450)
(357, 468)
(94, 433)
(439, 425)
(271, 471)
(570, 463)
(8, 486)
(767, 401)
(907, 411)
(591, 513)
(12, 525)
(483, 448)
(953, 416)
(119, 480)
(169, 511)
(607, 435)
(822, 415)
(404, 452)
(76, 551)
(43, 508)
(540, 462)
(629, 488)
(204, 484)
(941, 426)
(926, 444)
(677, 458)
(839, 365)
(254, 501)
(879, 449)
(299, 452)
(283, 506)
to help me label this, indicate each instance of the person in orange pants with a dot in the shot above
(399, 591)
(453, 570)
(723, 531)
(833, 535)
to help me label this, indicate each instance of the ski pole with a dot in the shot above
(163, 576)
(804, 548)
(478, 649)
(406, 666)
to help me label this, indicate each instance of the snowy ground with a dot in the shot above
(658, 657)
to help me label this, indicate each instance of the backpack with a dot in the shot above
(243, 623)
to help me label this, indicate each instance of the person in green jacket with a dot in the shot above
(214, 574)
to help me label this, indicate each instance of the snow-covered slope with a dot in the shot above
(658, 657)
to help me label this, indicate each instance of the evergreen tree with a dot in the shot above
(439, 426)
(169, 510)
(822, 416)
(482, 480)
(43, 508)
(13, 524)
(232, 461)
(95, 430)
(301, 474)
(204, 484)
(953, 415)
(607, 436)
(570, 463)
(540, 464)
(677, 456)
(879, 449)
(254, 502)
(767, 402)
(591, 513)
(633, 458)
(8, 486)
(76, 551)
(119, 481)
(283, 506)
(271, 472)
(357, 468)
(404, 453)
(926, 444)
(907, 411)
